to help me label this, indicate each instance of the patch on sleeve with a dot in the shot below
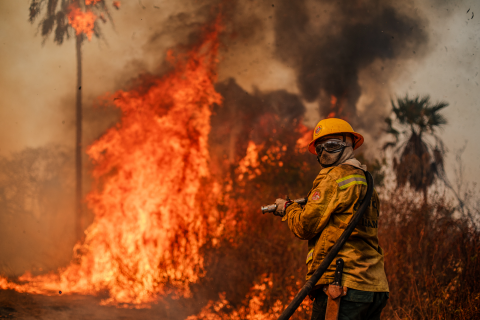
(309, 256)
(348, 181)
(315, 196)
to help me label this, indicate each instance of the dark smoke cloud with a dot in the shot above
(346, 49)
(329, 43)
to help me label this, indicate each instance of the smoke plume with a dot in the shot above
(329, 43)
(344, 54)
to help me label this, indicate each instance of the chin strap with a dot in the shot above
(339, 156)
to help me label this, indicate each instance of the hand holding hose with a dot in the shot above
(280, 210)
(279, 203)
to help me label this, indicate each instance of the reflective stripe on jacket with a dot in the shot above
(335, 196)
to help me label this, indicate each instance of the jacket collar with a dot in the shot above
(355, 163)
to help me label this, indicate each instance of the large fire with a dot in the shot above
(159, 206)
(154, 203)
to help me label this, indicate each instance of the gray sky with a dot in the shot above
(38, 83)
(451, 73)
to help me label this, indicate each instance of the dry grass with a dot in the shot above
(432, 260)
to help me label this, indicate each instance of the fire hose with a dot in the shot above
(288, 312)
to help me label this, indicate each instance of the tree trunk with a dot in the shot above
(78, 142)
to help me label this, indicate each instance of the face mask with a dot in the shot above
(331, 151)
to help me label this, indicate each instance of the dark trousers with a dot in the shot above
(356, 305)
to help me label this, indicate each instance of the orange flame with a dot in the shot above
(155, 208)
(253, 306)
(305, 138)
(82, 22)
(91, 2)
(333, 100)
(248, 165)
(333, 106)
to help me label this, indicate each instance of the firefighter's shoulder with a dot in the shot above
(346, 176)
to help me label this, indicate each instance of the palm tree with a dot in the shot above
(419, 162)
(63, 16)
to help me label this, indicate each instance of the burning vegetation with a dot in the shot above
(154, 205)
(179, 183)
(82, 22)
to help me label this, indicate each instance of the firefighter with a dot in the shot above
(336, 194)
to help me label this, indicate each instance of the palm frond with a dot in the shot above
(390, 129)
(436, 120)
(389, 145)
(51, 7)
(399, 111)
(393, 131)
(54, 19)
(62, 28)
(47, 25)
(104, 8)
(424, 101)
(96, 30)
(439, 106)
(34, 9)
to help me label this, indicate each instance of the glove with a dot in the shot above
(280, 211)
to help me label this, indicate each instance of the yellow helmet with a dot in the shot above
(334, 126)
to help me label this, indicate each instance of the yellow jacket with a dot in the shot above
(335, 196)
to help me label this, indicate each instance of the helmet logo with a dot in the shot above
(317, 131)
(315, 196)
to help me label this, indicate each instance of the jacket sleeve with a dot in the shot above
(312, 219)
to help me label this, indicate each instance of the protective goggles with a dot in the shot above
(330, 145)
